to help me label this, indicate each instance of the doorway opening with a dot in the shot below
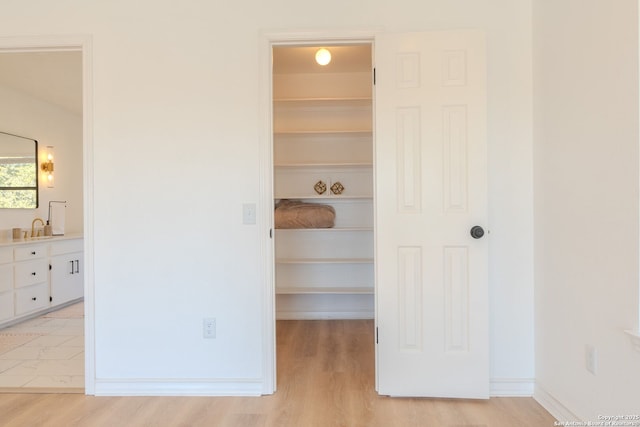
(324, 202)
(44, 341)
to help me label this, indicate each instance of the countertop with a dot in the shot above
(52, 239)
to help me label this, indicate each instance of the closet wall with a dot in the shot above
(323, 140)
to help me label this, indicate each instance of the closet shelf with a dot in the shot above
(324, 230)
(324, 261)
(335, 200)
(327, 99)
(323, 104)
(311, 197)
(325, 165)
(323, 132)
(359, 290)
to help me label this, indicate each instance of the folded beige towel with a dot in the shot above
(297, 214)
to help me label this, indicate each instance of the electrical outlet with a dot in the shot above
(591, 359)
(209, 327)
(249, 213)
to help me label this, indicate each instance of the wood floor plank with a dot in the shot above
(326, 377)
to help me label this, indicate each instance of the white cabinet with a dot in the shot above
(32, 298)
(67, 265)
(323, 135)
(37, 276)
(30, 278)
(6, 305)
(30, 272)
(29, 252)
(6, 284)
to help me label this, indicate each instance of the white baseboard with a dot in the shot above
(168, 387)
(511, 387)
(553, 406)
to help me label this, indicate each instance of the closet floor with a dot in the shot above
(326, 377)
(44, 354)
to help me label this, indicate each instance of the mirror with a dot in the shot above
(18, 172)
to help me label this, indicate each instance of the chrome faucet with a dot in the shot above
(33, 226)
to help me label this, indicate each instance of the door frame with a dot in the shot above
(266, 191)
(83, 44)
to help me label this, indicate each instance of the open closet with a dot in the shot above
(323, 182)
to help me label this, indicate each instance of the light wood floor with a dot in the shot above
(325, 378)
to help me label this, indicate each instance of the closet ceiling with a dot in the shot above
(301, 59)
(53, 77)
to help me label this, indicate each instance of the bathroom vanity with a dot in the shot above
(39, 275)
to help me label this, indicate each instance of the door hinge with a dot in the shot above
(374, 76)
(49, 266)
(50, 299)
(271, 233)
(376, 335)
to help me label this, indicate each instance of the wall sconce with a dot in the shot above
(323, 56)
(47, 166)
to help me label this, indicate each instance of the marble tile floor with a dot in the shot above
(44, 354)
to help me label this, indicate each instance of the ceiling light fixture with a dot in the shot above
(323, 56)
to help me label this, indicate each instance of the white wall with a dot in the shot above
(49, 124)
(176, 146)
(586, 204)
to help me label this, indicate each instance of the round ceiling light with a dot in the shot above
(323, 56)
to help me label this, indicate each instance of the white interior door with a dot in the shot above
(431, 274)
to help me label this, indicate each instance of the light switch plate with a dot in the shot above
(249, 213)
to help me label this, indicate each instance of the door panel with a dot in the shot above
(430, 174)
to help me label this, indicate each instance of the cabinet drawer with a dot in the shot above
(31, 272)
(24, 253)
(32, 298)
(6, 255)
(6, 277)
(6, 305)
(67, 246)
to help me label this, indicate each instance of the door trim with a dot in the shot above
(82, 43)
(265, 212)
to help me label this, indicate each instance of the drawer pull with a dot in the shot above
(33, 252)
(34, 298)
(33, 274)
